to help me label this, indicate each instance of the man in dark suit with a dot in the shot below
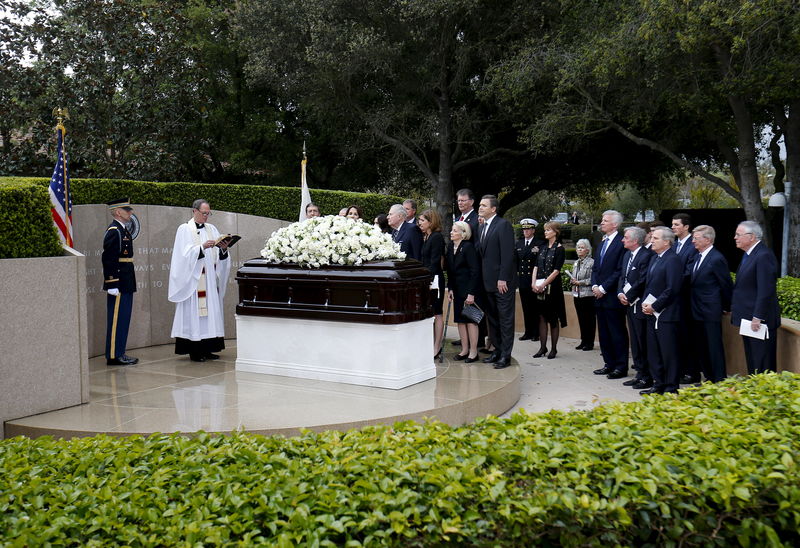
(710, 285)
(612, 332)
(754, 299)
(527, 249)
(498, 266)
(119, 280)
(465, 202)
(690, 366)
(408, 236)
(630, 291)
(662, 304)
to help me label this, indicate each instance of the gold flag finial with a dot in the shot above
(60, 115)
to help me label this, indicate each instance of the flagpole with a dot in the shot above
(305, 195)
(61, 175)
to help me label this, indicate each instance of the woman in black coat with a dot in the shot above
(463, 282)
(547, 286)
(432, 251)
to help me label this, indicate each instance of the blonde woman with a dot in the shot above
(463, 283)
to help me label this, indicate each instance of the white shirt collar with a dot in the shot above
(752, 247)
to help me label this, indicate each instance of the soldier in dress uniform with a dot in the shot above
(119, 280)
(527, 249)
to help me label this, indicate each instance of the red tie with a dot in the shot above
(462, 218)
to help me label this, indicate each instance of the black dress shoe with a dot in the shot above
(642, 383)
(689, 379)
(579, 347)
(485, 351)
(459, 357)
(525, 337)
(587, 348)
(605, 370)
(117, 361)
(618, 374)
(540, 353)
(492, 358)
(471, 360)
(552, 354)
(211, 356)
(502, 363)
(630, 382)
(649, 391)
(130, 360)
(456, 343)
(197, 358)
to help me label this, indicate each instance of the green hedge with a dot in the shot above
(26, 225)
(716, 465)
(266, 201)
(26, 205)
(789, 297)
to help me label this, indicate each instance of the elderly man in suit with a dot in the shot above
(612, 332)
(498, 267)
(755, 301)
(407, 235)
(465, 202)
(662, 304)
(710, 286)
(630, 291)
(527, 249)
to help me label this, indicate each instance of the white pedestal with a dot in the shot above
(385, 356)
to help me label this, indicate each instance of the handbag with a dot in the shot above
(472, 312)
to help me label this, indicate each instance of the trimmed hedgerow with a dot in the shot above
(789, 297)
(26, 225)
(715, 465)
(26, 205)
(266, 201)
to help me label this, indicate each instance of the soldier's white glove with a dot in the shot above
(113, 291)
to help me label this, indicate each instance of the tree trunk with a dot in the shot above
(748, 167)
(791, 138)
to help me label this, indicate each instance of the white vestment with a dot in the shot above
(184, 276)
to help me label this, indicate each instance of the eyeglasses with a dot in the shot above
(739, 235)
(205, 213)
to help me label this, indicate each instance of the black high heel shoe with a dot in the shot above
(542, 351)
(459, 357)
(471, 360)
(552, 354)
(439, 353)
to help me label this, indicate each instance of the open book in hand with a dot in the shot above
(230, 239)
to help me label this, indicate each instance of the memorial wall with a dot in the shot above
(151, 320)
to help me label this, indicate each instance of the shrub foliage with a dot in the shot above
(715, 465)
(26, 225)
(26, 205)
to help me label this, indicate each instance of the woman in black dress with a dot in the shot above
(547, 286)
(432, 251)
(463, 282)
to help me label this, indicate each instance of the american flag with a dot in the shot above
(59, 192)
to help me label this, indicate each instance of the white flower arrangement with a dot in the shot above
(332, 239)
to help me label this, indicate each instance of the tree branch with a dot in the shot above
(405, 149)
(658, 147)
(487, 156)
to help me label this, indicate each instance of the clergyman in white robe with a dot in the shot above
(197, 280)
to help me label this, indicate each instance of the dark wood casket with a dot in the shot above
(381, 292)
